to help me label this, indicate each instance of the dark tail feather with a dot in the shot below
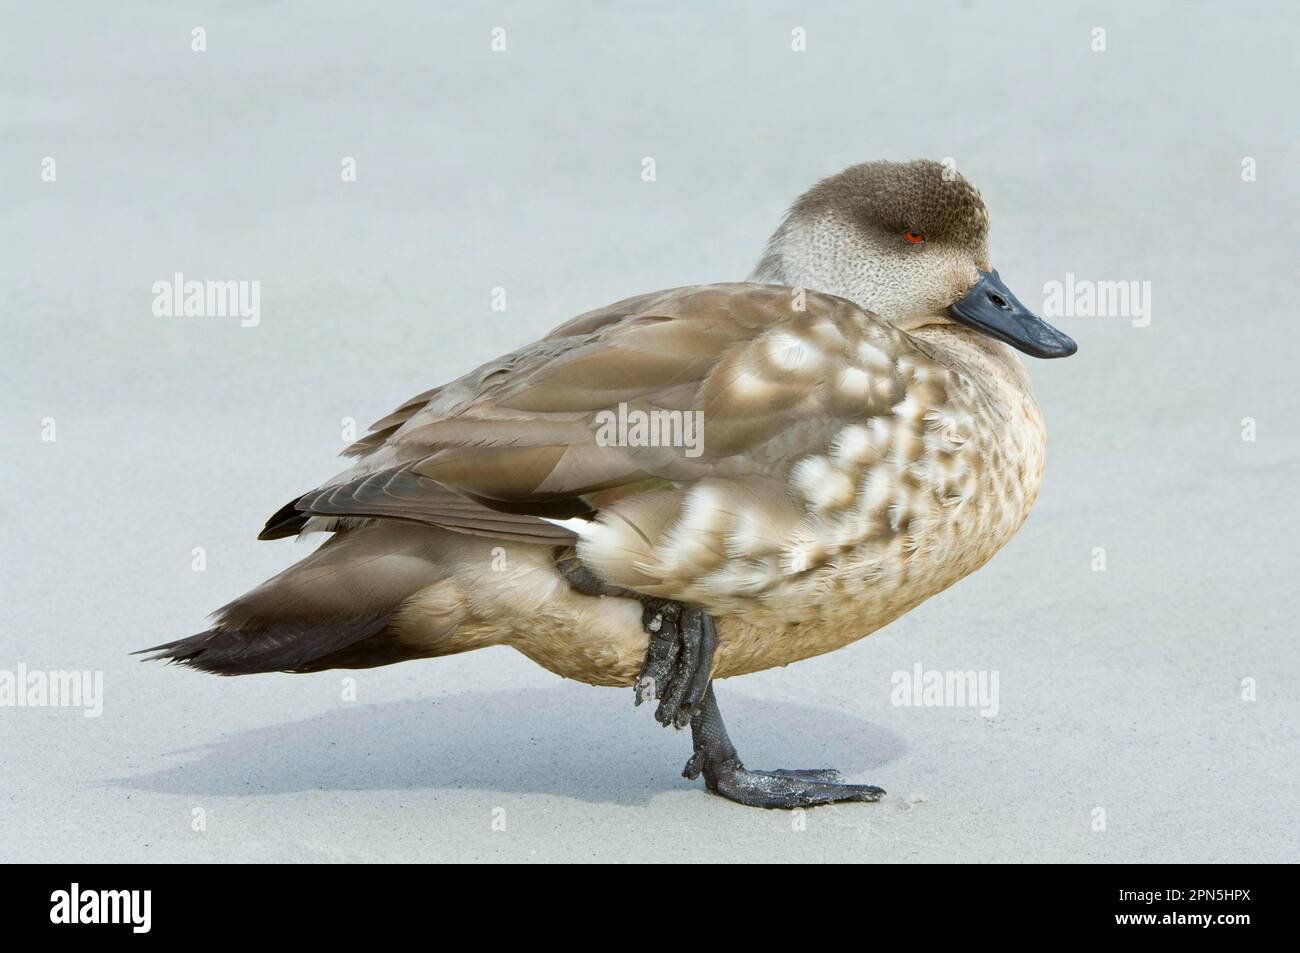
(289, 646)
(333, 609)
(288, 520)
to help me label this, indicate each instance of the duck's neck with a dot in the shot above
(967, 344)
(994, 366)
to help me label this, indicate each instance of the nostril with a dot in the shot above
(998, 300)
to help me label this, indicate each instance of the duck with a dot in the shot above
(690, 484)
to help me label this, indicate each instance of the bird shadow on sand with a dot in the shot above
(591, 746)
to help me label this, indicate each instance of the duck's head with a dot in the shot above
(908, 241)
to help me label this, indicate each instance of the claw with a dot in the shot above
(694, 766)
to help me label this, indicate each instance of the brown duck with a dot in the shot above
(690, 484)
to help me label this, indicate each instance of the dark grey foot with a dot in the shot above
(680, 659)
(783, 789)
(715, 758)
(682, 640)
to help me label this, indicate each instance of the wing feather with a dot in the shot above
(772, 374)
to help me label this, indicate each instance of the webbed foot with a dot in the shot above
(781, 788)
(679, 661)
(724, 775)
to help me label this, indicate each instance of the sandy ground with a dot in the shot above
(1127, 727)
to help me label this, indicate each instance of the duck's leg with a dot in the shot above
(715, 757)
(676, 671)
(682, 640)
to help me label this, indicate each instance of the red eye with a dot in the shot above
(913, 238)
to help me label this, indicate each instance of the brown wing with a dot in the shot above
(529, 435)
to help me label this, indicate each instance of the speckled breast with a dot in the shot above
(902, 507)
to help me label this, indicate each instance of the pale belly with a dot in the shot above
(600, 640)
